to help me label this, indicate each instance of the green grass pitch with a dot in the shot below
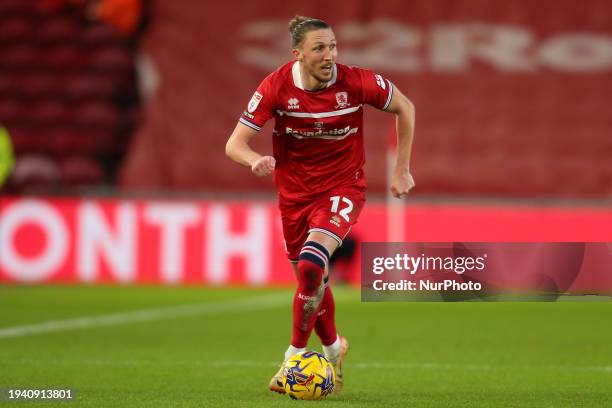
(203, 347)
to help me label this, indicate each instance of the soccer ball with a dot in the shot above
(308, 376)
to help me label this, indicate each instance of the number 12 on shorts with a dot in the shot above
(344, 213)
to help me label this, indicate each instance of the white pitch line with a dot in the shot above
(359, 366)
(426, 366)
(147, 315)
(478, 367)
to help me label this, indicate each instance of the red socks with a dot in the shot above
(310, 292)
(325, 325)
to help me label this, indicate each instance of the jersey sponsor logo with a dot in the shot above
(254, 102)
(338, 133)
(293, 103)
(248, 115)
(380, 81)
(342, 100)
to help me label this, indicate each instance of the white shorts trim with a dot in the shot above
(329, 233)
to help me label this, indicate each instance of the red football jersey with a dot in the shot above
(318, 135)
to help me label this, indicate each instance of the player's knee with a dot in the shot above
(311, 265)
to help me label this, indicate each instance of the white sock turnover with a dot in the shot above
(333, 349)
(292, 350)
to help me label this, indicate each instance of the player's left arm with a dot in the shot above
(401, 180)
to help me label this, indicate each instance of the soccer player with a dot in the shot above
(317, 162)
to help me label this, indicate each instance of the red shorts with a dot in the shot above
(333, 213)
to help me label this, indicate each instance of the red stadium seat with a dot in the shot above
(90, 86)
(48, 112)
(97, 114)
(79, 170)
(100, 34)
(63, 29)
(18, 57)
(37, 85)
(33, 171)
(14, 7)
(111, 58)
(7, 84)
(15, 29)
(11, 111)
(89, 142)
(23, 140)
(65, 57)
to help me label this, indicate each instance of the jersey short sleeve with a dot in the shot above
(261, 106)
(377, 91)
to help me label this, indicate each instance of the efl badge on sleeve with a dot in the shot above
(254, 103)
(380, 81)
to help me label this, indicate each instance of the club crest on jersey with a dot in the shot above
(254, 102)
(293, 103)
(342, 100)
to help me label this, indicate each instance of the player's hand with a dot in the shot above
(263, 166)
(401, 183)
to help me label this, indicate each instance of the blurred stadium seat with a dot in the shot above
(90, 86)
(66, 92)
(80, 170)
(34, 172)
(10, 8)
(99, 34)
(14, 29)
(57, 30)
(65, 57)
(16, 57)
(96, 115)
(110, 58)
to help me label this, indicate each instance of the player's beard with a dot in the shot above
(324, 80)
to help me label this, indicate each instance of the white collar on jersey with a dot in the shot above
(297, 75)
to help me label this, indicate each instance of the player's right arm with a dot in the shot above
(237, 148)
(259, 110)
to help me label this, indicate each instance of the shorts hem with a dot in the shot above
(328, 233)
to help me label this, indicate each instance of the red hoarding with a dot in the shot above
(215, 242)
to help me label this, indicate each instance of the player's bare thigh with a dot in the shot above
(328, 242)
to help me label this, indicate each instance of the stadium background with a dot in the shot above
(118, 112)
